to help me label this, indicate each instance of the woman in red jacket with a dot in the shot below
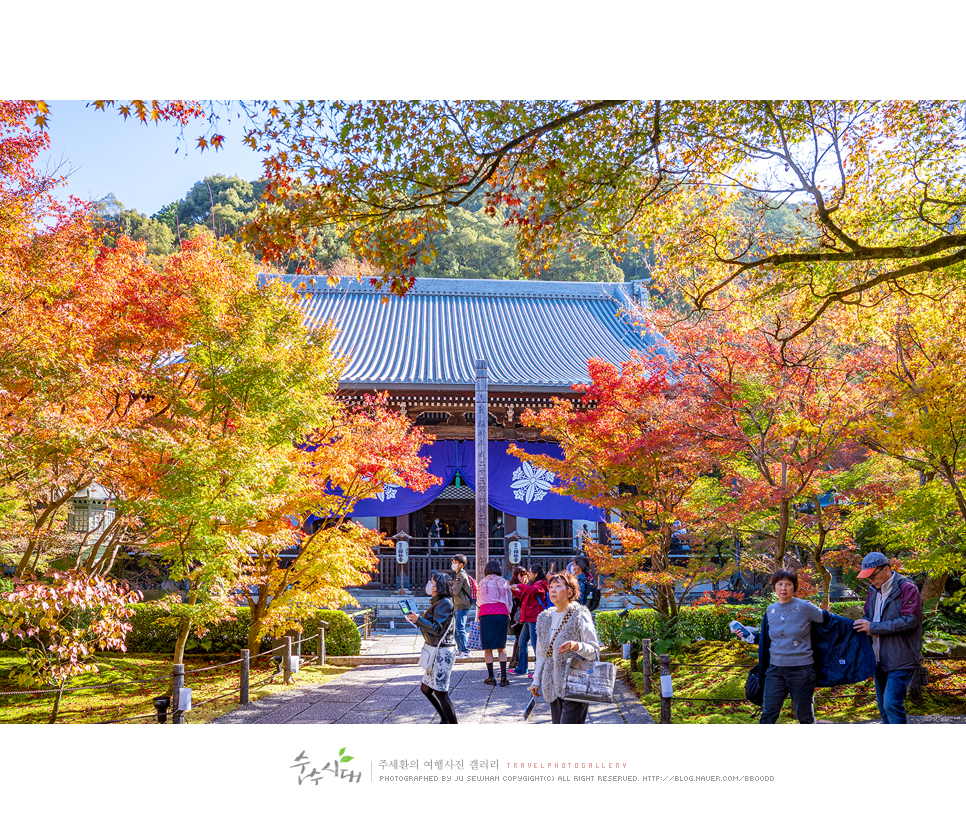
(533, 600)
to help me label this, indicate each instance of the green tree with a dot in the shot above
(261, 381)
(478, 244)
(116, 220)
(220, 203)
(168, 216)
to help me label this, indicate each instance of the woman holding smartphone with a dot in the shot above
(437, 627)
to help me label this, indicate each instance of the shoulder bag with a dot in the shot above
(427, 656)
(588, 681)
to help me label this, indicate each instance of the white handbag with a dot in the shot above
(427, 655)
(590, 682)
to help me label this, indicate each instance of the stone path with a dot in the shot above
(389, 693)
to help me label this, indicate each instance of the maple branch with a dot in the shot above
(490, 160)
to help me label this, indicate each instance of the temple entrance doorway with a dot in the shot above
(458, 519)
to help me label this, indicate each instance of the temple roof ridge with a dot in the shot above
(451, 286)
(534, 334)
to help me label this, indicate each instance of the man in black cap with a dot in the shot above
(892, 617)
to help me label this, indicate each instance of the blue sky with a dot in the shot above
(138, 162)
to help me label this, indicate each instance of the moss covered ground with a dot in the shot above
(713, 674)
(214, 693)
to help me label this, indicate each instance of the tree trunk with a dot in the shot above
(57, 699)
(819, 552)
(259, 610)
(781, 542)
(935, 586)
(254, 638)
(49, 512)
(826, 581)
(179, 646)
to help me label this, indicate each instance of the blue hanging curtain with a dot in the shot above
(520, 489)
(398, 501)
(515, 487)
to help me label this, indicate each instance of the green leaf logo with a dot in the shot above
(343, 758)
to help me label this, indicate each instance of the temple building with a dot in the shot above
(421, 349)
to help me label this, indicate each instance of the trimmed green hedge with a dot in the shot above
(342, 637)
(148, 635)
(707, 622)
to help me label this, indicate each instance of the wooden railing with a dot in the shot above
(416, 572)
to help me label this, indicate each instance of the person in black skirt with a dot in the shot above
(495, 601)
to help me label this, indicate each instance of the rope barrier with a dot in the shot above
(40, 691)
(91, 688)
(213, 699)
(315, 659)
(266, 653)
(210, 668)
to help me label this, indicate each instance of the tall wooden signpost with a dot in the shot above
(482, 471)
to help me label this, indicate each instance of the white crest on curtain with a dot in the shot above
(531, 483)
(387, 492)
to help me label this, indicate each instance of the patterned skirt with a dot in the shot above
(437, 675)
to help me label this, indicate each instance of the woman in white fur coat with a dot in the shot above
(565, 632)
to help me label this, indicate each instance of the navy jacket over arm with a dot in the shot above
(842, 655)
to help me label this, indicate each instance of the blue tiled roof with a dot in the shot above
(533, 334)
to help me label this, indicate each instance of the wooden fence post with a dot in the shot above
(646, 665)
(245, 664)
(322, 645)
(287, 660)
(176, 687)
(664, 666)
(915, 686)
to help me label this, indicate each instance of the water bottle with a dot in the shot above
(742, 632)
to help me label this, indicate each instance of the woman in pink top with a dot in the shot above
(495, 601)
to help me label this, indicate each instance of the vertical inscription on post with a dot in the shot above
(482, 471)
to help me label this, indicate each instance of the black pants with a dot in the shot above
(784, 681)
(568, 711)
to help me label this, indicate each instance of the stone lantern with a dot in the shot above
(90, 510)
